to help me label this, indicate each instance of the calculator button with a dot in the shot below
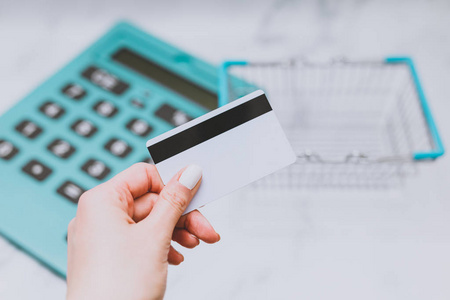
(84, 128)
(148, 160)
(37, 170)
(52, 110)
(96, 169)
(61, 148)
(139, 127)
(105, 109)
(7, 150)
(172, 115)
(70, 191)
(118, 148)
(105, 80)
(137, 103)
(74, 91)
(29, 129)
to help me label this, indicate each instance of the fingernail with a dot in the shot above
(191, 176)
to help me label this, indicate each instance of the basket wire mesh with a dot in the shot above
(351, 124)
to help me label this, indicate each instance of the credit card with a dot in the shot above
(235, 145)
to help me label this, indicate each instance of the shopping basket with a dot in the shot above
(351, 123)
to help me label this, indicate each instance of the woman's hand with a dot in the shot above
(119, 243)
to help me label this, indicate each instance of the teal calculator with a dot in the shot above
(86, 123)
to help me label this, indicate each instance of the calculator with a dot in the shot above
(86, 123)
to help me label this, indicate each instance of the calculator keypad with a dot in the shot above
(105, 109)
(172, 115)
(7, 150)
(118, 147)
(84, 128)
(52, 110)
(139, 127)
(29, 129)
(74, 91)
(96, 169)
(70, 191)
(61, 148)
(105, 80)
(37, 170)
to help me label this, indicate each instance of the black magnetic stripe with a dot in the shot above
(210, 128)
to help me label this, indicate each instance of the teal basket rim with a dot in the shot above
(439, 149)
(439, 146)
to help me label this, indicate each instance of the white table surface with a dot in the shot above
(314, 245)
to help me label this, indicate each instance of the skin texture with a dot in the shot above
(119, 243)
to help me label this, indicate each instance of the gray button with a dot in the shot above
(84, 128)
(139, 127)
(29, 129)
(96, 169)
(52, 110)
(74, 91)
(172, 115)
(37, 170)
(118, 147)
(61, 148)
(105, 109)
(7, 150)
(70, 191)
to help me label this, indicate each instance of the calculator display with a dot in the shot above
(165, 77)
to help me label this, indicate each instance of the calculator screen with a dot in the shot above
(165, 77)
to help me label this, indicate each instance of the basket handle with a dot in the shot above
(439, 147)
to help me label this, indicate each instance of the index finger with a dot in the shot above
(137, 180)
(195, 223)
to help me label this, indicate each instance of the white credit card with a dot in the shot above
(235, 145)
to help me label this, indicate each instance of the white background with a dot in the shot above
(314, 245)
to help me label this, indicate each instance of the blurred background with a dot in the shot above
(345, 243)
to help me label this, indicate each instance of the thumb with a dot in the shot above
(174, 199)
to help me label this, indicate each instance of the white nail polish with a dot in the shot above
(191, 176)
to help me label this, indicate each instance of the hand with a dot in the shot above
(119, 243)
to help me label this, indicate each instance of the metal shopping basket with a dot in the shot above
(351, 123)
